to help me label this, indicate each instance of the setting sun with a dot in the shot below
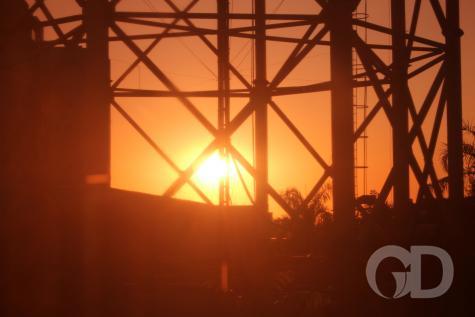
(213, 170)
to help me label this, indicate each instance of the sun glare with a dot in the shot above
(213, 170)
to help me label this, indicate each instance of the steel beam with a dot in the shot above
(341, 35)
(400, 122)
(260, 99)
(454, 101)
(96, 132)
(96, 141)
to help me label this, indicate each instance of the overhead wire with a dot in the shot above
(243, 48)
(152, 7)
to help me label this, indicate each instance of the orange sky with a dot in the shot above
(136, 167)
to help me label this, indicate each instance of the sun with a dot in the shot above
(213, 170)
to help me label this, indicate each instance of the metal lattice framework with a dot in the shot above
(331, 25)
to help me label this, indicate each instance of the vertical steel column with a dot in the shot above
(223, 88)
(453, 34)
(399, 86)
(341, 31)
(261, 99)
(97, 14)
(96, 148)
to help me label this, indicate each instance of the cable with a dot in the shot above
(152, 7)
(279, 6)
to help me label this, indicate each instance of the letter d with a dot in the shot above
(416, 272)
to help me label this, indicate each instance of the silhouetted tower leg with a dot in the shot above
(260, 98)
(223, 87)
(341, 30)
(453, 34)
(343, 169)
(97, 114)
(96, 148)
(399, 86)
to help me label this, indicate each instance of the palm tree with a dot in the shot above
(300, 227)
(468, 159)
(316, 212)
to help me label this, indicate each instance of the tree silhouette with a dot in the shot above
(316, 212)
(300, 227)
(468, 158)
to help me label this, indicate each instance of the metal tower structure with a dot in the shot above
(328, 23)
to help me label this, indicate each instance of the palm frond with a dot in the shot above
(469, 150)
(469, 127)
(444, 158)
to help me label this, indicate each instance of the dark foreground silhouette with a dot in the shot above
(125, 254)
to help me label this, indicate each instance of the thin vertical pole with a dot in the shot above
(261, 98)
(454, 101)
(341, 31)
(223, 88)
(399, 86)
(223, 122)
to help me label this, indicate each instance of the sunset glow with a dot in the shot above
(236, 158)
(214, 170)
